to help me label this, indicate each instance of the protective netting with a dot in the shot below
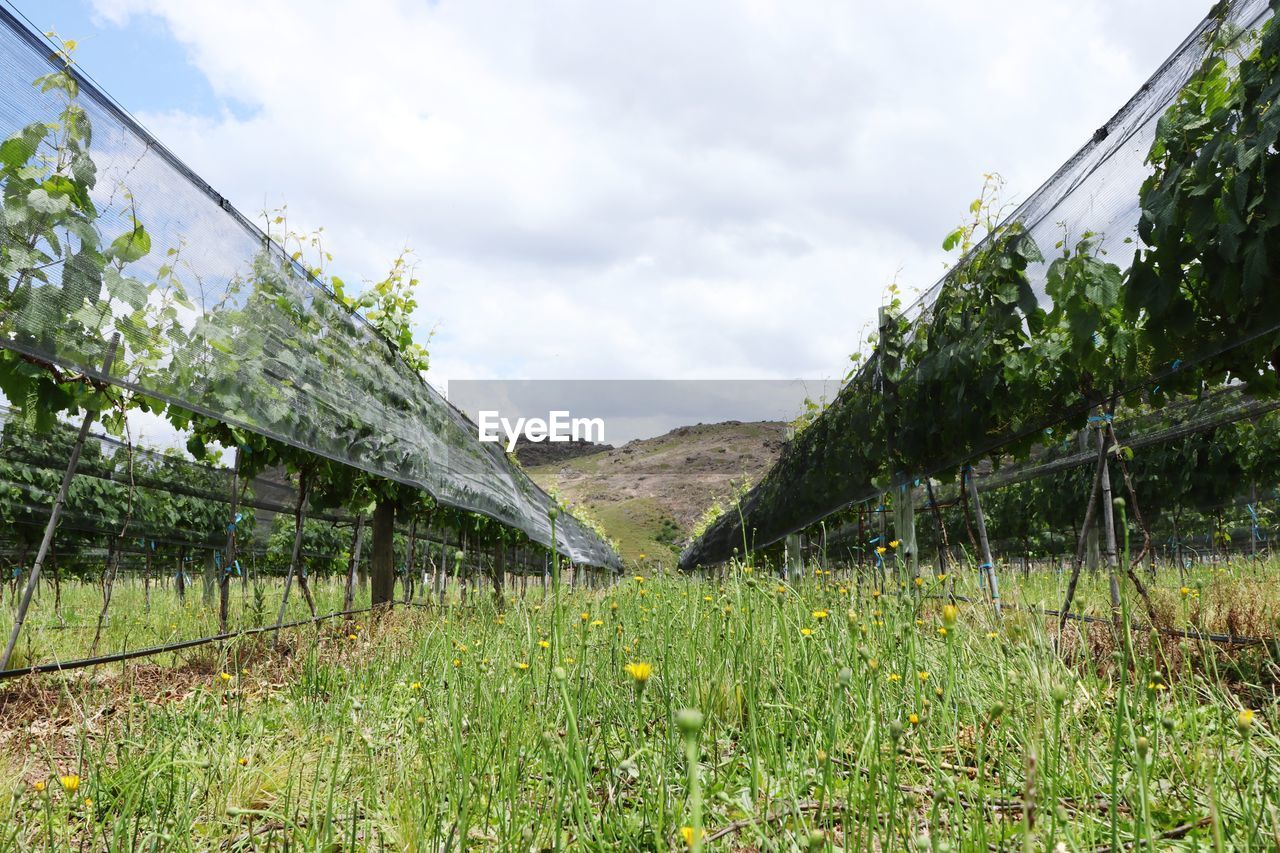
(215, 317)
(848, 455)
(167, 499)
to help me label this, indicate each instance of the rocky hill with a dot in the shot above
(648, 494)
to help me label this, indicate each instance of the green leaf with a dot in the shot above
(132, 246)
(953, 239)
(50, 205)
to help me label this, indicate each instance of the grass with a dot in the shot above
(829, 714)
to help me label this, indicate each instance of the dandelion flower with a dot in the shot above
(893, 677)
(893, 543)
(913, 719)
(596, 623)
(807, 632)
(225, 676)
(820, 614)
(1245, 721)
(39, 786)
(586, 617)
(71, 781)
(522, 665)
(687, 833)
(949, 614)
(242, 761)
(991, 635)
(1186, 590)
(942, 630)
(880, 549)
(922, 675)
(639, 672)
(543, 644)
(639, 578)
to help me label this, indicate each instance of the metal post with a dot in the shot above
(55, 515)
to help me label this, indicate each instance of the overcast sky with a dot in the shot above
(693, 189)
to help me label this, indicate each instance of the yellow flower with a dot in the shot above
(522, 665)
(808, 632)
(639, 672)
(242, 761)
(352, 637)
(686, 832)
(571, 661)
(941, 576)
(991, 635)
(456, 663)
(893, 543)
(596, 623)
(875, 593)
(417, 685)
(843, 590)
(781, 589)
(707, 598)
(1245, 721)
(894, 677)
(420, 720)
(922, 675)
(913, 719)
(942, 630)
(873, 664)
(39, 786)
(70, 782)
(1186, 590)
(543, 644)
(225, 676)
(639, 578)
(880, 549)
(949, 614)
(88, 802)
(919, 581)
(820, 614)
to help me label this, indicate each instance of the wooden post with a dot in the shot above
(229, 555)
(55, 514)
(180, 579)
(1090, 514)
(382, 569)
(1109, 528)
(980, 522)
(348, 596)
(942, 536)
(904, 528)
(299, 521)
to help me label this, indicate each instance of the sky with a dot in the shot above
(669, 190)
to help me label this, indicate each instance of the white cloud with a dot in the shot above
(611, 190)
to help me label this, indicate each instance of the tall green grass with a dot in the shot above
(824, 713)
